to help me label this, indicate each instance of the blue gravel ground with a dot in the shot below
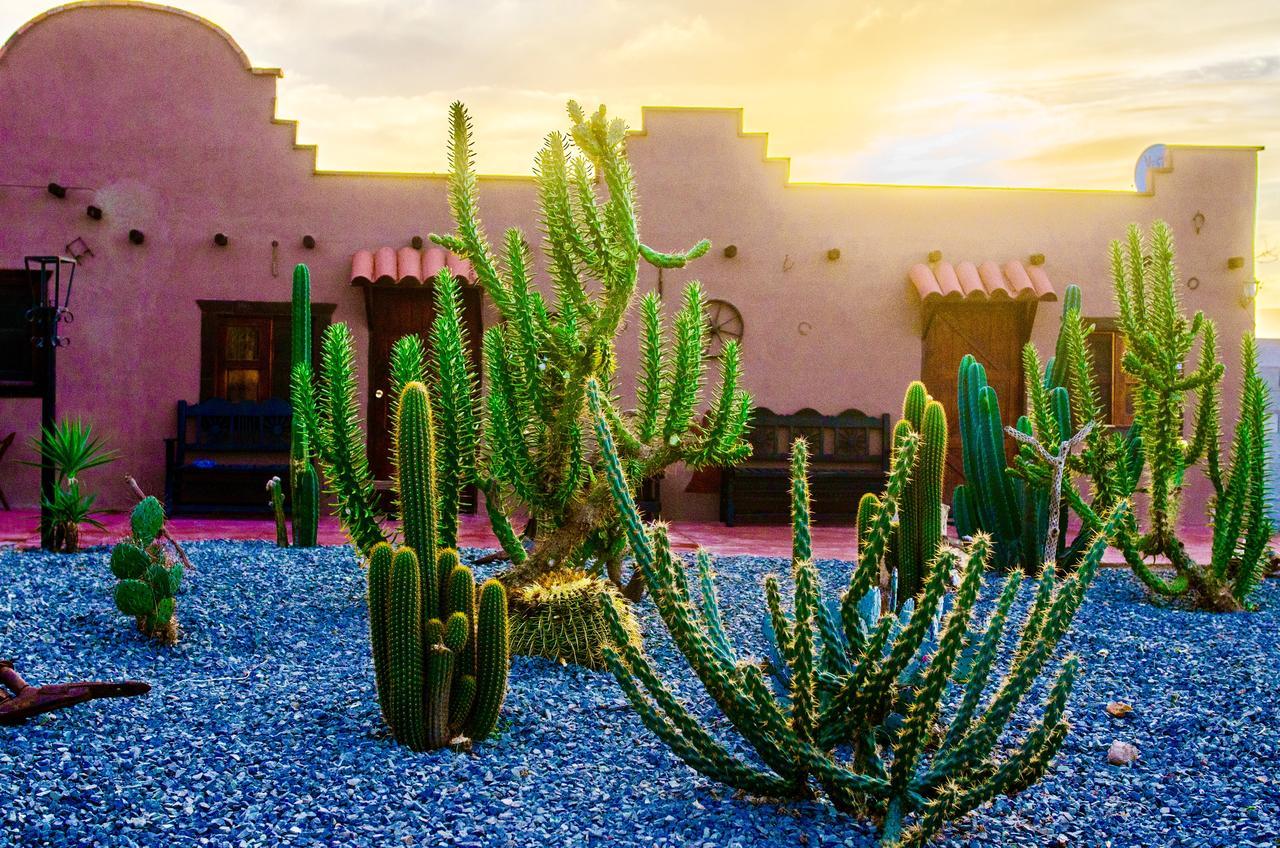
(263, 729)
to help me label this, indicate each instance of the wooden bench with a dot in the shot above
(223, 455)
(848, 456)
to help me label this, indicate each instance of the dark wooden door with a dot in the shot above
(393, 313)
(995, 334)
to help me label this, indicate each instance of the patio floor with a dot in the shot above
(20, 528)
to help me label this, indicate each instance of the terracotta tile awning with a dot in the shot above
(988, 281)
(404, 267)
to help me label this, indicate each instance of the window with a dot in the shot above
(1115, 387)
(21, 373)
(244, 348)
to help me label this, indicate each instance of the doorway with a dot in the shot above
(395, 312)
(995, 334)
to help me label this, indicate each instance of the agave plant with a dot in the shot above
(71, 448)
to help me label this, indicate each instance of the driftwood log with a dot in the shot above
(19, 700)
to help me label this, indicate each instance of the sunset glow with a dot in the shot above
(1028, 94)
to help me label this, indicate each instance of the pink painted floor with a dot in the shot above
(19, 528)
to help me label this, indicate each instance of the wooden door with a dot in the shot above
(995, 334)
(393, 313)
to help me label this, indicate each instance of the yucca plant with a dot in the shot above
(1159, 342)
(71, 447)
(900, 716)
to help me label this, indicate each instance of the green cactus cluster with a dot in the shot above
(560, 617)
(901, 716)
(440, 654)
(1159, 343)
(1009, 498)
(918, 530)
(147, 581)
(304, 480)
(524, 445)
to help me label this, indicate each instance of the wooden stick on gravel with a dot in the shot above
(164, 531)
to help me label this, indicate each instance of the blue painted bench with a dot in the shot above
(224, 453)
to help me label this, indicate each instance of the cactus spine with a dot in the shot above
(148, 580)
(304, 483)
(440, 661)
(862, 693)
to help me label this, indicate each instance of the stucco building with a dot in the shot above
(842, 293)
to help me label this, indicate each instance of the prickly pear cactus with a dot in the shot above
(148, 580)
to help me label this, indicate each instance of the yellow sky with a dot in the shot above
(1031, 93)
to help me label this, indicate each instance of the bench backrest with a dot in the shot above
(851, 437)
(218, 425)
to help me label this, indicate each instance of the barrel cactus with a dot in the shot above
(440, 654)
(559, 617)
(148, 582)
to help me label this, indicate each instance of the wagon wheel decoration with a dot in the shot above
(724, 324)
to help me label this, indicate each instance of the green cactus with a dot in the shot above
(440, 661)
(1009, 498)
(1159, 341)
(524, 446)
(275, 490)
(148, 579)
(304, 482)
(558, 617)
(881, 710)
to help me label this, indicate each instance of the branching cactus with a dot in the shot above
(1159, 343)
(902, 717)
(535, 455)
(440, 655)
(148, 580)
(304, 482)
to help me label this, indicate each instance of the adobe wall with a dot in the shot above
(160, 116)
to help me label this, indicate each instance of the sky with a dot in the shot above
(1026, 93)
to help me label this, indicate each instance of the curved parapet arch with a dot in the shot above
(138, 4)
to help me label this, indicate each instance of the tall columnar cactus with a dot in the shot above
(1010, 500)
(535, 454)
(148, 580)
(440, 658)
(1159, 341)
(304, 482)
(904, 716)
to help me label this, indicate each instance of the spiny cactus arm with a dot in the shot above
(460, 597)
(510, 459)
(593, 248)
(1260, 528)
(470, 241)
(406, 364)
(416, 486)
(688, 365)
(681, 731)
(674, 260)
(1041, 412)
(563, 242)
(652, 383)
(526, 336)
(840, 719)
(493, 660)
(405, 648)
(721, 440)
(979, 671)
(928, 698)
(712, 621)
(341, 443)
(439, 685)
(867, 574)
(801, 540)
(992, 462)
(804, 697)
(500, 523)
(1171, 588)
(1021, 769)
(455, 397)
(779, 622)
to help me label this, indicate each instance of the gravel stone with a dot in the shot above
(262, 728)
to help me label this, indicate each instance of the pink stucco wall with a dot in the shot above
(159, 115)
